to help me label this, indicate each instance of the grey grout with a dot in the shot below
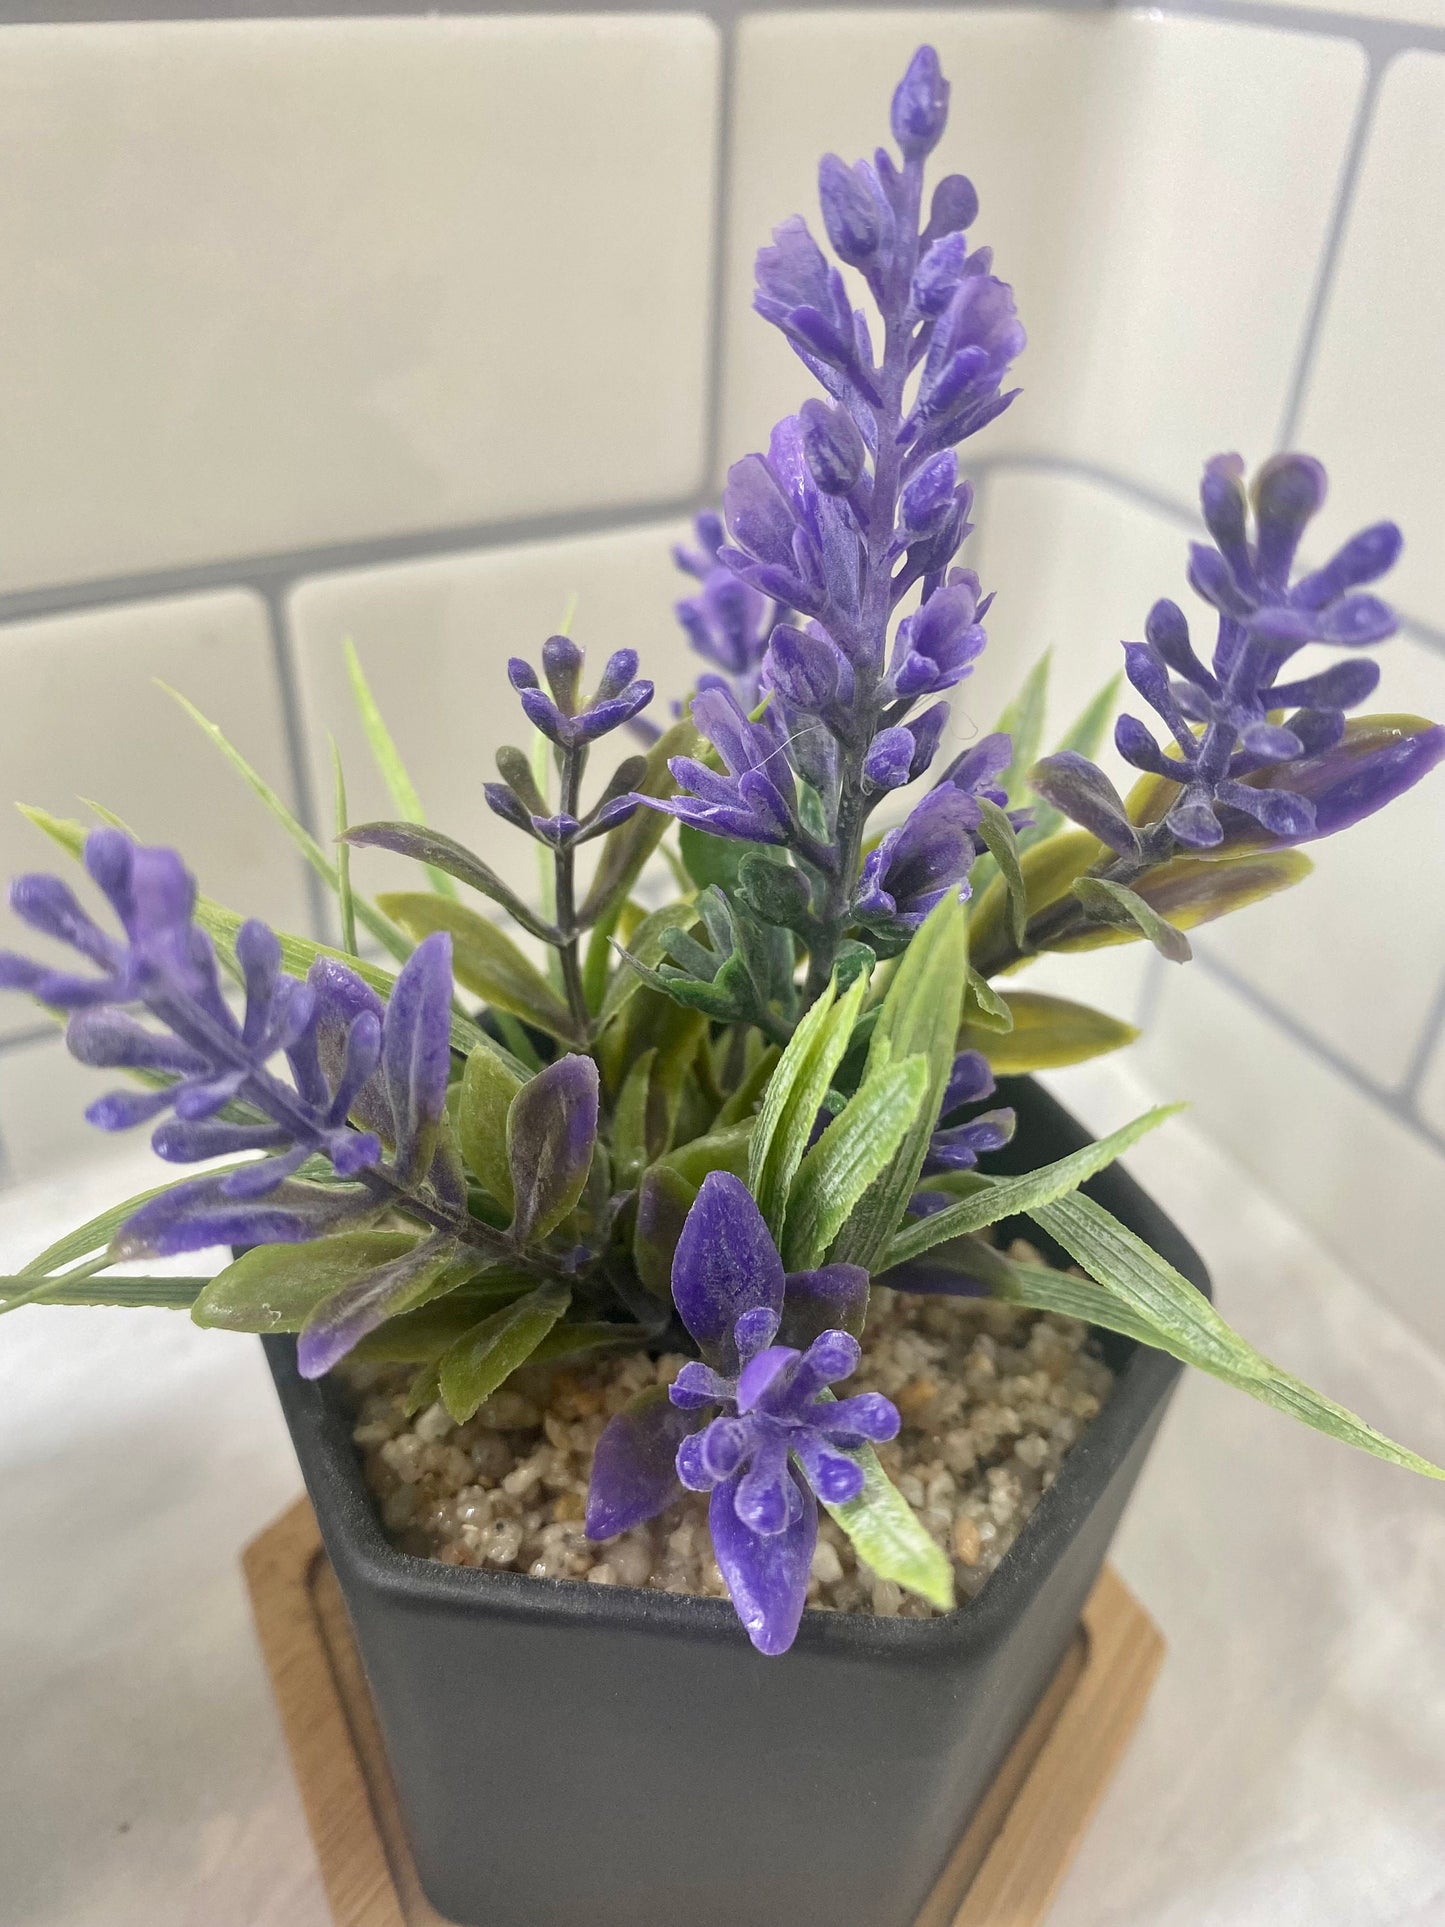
(1432, 1030)
(283, 656)
(1330, 254)
(722, 216)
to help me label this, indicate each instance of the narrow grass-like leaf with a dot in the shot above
(1112, 903)
(1148, 1299)
(345, 899)
(167, 1294)
(1004, 1197)
(390, 938)
(473, 1368)
(794, 1097)
(1023, 723)
(484, 959)
(387, 757)
(889, 1537)
(847, 1158)
(919, 1017)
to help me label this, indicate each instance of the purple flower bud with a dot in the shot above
(938, 274)
(832, 447)
(1288, 491)
(889, 759)
(562, 666)
(953, 208)
(930, 493)
(758, 516)
(852, 208)
(920, 106)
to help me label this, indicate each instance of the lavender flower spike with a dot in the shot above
(562, 716)
(749, 1421)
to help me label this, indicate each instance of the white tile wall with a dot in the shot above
(1377, 396)
(1157, 190)
(434, 638)
(1369, 1187)
(43, 1095)
(280, 283)
(1432, 1089)
(82, 716)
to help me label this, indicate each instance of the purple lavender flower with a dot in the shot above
(916, 864)
(727, 622)
(958, 1146)
(346, 1053)
(756, 800)
(1223, 718)
(856, 505)
(750, 1422)
(562, 716)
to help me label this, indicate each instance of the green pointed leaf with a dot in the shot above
(491, 1351)
(488, 1086)
(385, 933)
(984, 1008)
(438, 852)
(709, 859)
(1113, 904)
(850, 1154)
(1048, 870)
(1147, 1298)
(629, 1121)
(919, 1018)
(890, 1538)
(484, 959)
(387, 757)
(646, 947)
(1193, 890)
(999, 1198)
(1023, 723)
(1046, 1033)
(794, 1097)
(275, 1288)
(998, 833)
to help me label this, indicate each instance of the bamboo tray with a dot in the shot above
(1004, 1871)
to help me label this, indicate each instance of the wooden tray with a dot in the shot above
(1004, 1872)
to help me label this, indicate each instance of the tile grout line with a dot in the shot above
(1432, 1030)
(721, 215)
(1344, 202)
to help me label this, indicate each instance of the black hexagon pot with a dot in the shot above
(569, 1755)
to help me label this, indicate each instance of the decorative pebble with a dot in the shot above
(992, 1398)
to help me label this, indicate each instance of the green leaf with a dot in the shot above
(1113, 904)
(387, 757)
(919, 1018)
(438, 852)
(647, 946)
(889, 1536)
(344, 894)
(709, 859)
(488, 1086)
(794, 1096)
(626, 849)
(297, 953)
(1046, 1033)
(1023, 723)
(490, 1352)
(984, 1008)
(998, 833)
(850, 1154)
(484, 959)
(629, 1121)
(1048, 869)
(168, 1294)
(1005, 1197)
(1146, 1298)
(275, 1288)
(1193, 890)
(390, 938)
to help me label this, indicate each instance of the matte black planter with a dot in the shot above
(580, 1756)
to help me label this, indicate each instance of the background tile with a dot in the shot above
(82, 717)
(43, 1095)
(1157, 190)
(1377, 393)
(278, 283)
(1366, 1185)
(434, 638)
(1355, 953)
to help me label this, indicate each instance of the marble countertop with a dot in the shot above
(1290, 1768)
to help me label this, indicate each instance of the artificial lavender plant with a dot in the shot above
(714, 1122)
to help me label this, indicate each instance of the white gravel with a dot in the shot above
(991, 1397)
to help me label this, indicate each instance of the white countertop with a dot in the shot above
(1290, 1767)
